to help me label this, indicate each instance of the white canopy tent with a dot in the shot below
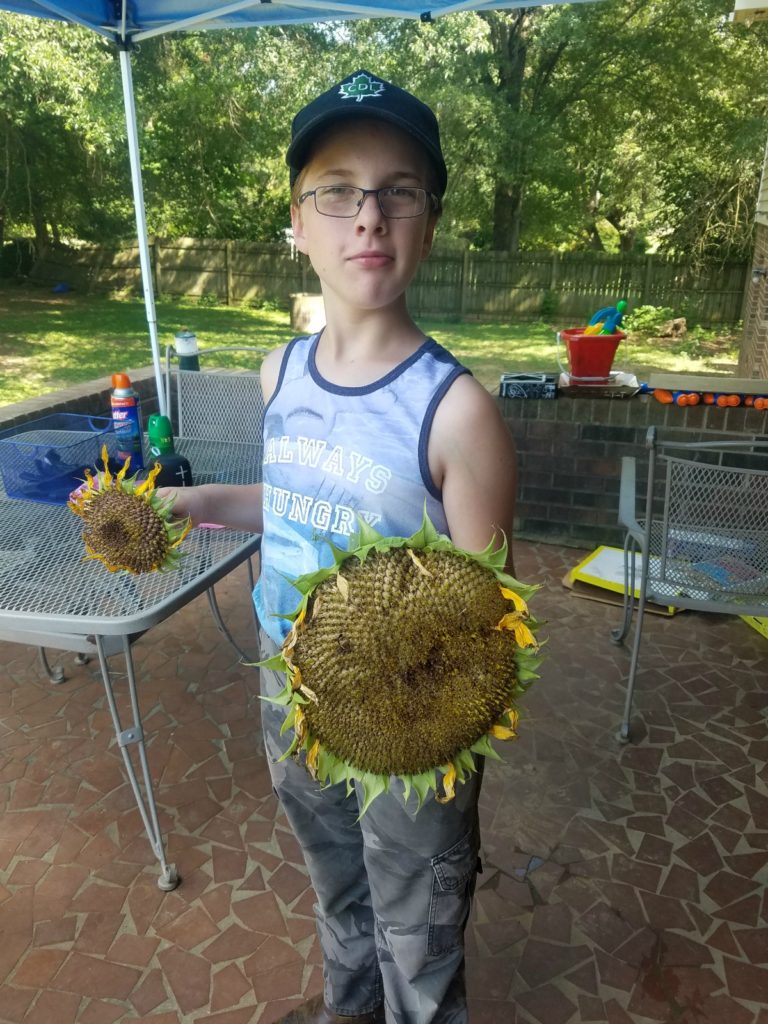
(127, 22)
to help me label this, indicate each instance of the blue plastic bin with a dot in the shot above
(45, 459)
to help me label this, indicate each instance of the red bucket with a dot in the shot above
(590, 355)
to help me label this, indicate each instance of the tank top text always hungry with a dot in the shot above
(332, 453)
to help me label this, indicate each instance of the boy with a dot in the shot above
(370, 417)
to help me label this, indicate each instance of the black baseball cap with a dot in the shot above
(363, 94)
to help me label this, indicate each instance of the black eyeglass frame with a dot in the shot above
(365, 192)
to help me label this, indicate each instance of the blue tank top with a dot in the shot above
(332, 453)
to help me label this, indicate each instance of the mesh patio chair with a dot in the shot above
(215, 403)
(701, 537)
(218, 414)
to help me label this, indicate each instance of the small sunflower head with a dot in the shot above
(126, 524)
(404, 659)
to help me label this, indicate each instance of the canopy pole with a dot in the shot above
(141, 220)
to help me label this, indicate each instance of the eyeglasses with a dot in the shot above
(395, 202)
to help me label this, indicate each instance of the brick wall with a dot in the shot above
(569, 449)
(89, 399)
(753, 361)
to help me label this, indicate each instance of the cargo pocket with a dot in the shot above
(453, 884)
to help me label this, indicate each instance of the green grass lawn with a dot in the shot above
(492, 349)
(51, 341)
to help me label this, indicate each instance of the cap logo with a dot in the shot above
(361, 87)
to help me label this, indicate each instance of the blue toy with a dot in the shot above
(607, 320)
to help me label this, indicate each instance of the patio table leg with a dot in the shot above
(134, 736)
(213, 604)
(54, 672)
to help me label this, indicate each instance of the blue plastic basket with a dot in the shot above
(45, 459)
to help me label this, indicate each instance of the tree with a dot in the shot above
(589, 125)
(675, 162)
(57, 135)
(213, 110)
(618, 125)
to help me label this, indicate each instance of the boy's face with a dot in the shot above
(366, 261)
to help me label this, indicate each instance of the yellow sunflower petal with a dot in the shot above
(296, 678)
(449, 785)
(509, 621)
(518, 602)
(91, 555)
(502, 732)
(300, 723)
(312, 756)
(293, 635)
(183, 534)
(179, 529)
(148, 484)
(77, 503)
(418, 563)
(524, 636)
(514, 717)
(105, 460)
(309, 693)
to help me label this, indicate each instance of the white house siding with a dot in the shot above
(753, 361)
(762, 196)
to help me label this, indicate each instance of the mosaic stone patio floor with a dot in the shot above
(621, 884)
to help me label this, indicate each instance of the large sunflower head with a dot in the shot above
(127, 525)
(404, 658)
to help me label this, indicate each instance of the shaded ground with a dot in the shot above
(621, 884)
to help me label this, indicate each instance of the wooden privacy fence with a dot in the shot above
(571, 286)
(471, 285)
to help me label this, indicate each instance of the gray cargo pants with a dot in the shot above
(393, 890)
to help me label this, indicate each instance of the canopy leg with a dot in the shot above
(141, 219)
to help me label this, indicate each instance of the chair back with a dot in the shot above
(217, 404)
(707, 522)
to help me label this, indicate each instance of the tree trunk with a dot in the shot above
(42, 238)
(594, 241)
(507, 216)
(627, 236)
(508, 32)
(627, 241)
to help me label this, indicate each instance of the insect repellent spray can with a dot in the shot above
(159, 435)
(185, 343)
(175, 470)
(126, 420)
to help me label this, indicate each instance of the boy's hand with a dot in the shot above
(187, 502)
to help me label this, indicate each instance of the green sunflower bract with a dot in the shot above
(404, 658)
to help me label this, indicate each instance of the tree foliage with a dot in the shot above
(618, 125)
(217, 132)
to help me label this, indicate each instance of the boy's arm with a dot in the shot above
(237, 506)
(473, 460)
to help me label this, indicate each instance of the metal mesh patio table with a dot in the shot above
(51, 597)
